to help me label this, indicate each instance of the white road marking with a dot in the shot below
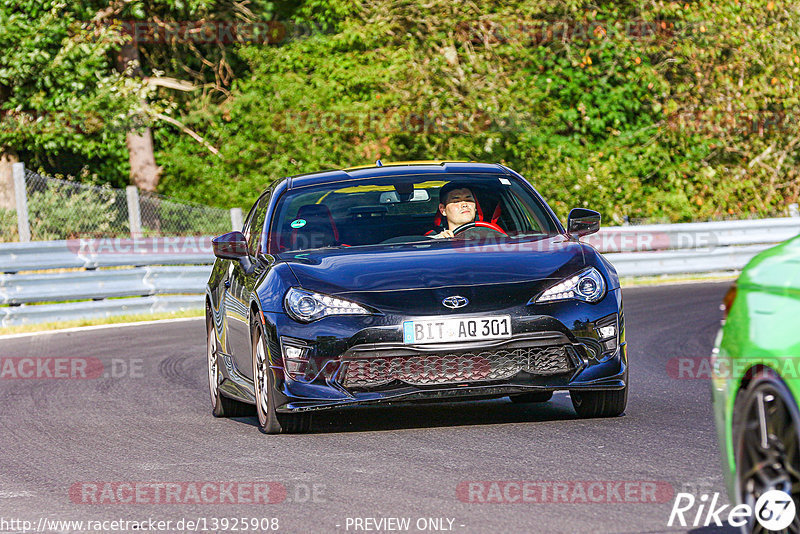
(8, 494)
(99, 327)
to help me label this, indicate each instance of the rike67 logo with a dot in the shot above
(774, 510)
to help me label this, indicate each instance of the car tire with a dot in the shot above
(538, 396)
(610, 403)
(221, 406)
(766, 413)
(269, 421)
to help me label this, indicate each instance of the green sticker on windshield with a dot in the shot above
(298, 223)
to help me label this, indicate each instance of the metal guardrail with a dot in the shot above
(77, 285)
(94, 253)
(160, 275)
(43, 313)
(693, 236)
(154, 282)
(724, 259)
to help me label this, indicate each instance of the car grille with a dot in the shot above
(434, 369)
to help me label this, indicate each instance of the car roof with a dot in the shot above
(395, 169)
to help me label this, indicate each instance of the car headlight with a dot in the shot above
(587, 285)
(306, 306)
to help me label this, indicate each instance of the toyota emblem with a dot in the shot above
(456, 301)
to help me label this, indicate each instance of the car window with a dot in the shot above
(257, 225)
(247, 223)
(399, 208)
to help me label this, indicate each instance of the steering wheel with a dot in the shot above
(479, 224)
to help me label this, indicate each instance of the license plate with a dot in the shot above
(445, 330)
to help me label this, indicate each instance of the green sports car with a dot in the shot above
(755, 379)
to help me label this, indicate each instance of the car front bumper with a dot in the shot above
(609, 375)
(579, 359)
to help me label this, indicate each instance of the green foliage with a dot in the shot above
(597, 105)
(172, 218)
(8, 225)
(62, 211)
(59, 95)
(63, 105)
(673, 111)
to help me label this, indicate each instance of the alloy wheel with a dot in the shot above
(213, 362)
(768, 446)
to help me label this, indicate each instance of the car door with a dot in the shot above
(241, 287)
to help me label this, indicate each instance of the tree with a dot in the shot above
(62, 104)
(79, 95)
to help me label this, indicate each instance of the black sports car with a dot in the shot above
(410, 281)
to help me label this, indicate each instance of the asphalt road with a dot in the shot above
(146, 419)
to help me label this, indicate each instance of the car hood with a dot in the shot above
(427, 272)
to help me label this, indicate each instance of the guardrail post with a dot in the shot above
(134, 211)
(236, 219)
(21, 196)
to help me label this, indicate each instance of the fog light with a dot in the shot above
(607, 331)
(295, 357)
(295, 367)
(293, 353)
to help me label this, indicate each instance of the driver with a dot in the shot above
(457, 206)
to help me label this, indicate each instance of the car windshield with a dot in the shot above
(403, 209)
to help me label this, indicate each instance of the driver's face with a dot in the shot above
(459, 208)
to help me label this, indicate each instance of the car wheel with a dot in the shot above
(539, 396)
(766, 441)
(269, 421)
(601, 403)
(221, 406)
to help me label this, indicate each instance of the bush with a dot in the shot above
(8, 225)
(164, 217)
(62, 211)
(664, 110)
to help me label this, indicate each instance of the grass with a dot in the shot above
(116, 319)
(677, 279)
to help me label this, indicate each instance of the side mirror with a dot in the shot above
(230, 246)
(583, 222)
